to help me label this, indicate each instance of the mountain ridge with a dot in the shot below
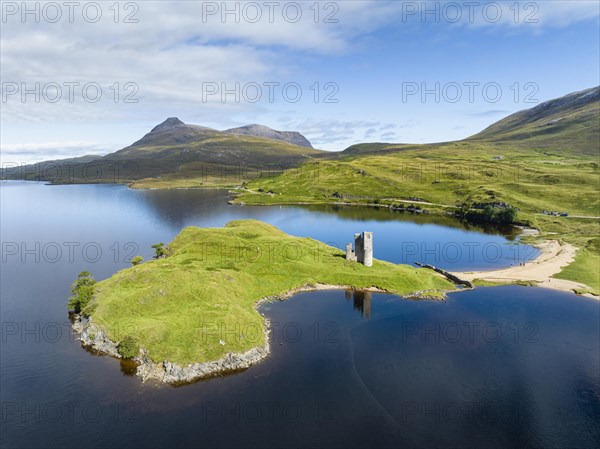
(293, 137)
(173, 131)
(569, 124)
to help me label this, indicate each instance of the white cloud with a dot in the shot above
(335, 134)
(171, 53)
(37, 152)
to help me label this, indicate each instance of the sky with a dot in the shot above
(92, 77)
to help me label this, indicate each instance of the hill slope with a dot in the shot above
(571, 123)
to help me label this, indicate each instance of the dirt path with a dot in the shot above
(552, 259)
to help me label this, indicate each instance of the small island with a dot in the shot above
(192, 312)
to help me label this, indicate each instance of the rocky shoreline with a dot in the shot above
(91, 335)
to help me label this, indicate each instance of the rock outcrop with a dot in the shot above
(92, 336)
(173, 373)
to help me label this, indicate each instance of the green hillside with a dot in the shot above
(570, 123)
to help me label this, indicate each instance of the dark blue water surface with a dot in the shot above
(493, 367)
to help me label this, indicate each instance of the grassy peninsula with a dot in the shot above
(198, 303)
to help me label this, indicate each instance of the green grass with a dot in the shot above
(181, 306)
(585, 269)
(460, 172)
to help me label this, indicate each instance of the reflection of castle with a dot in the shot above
(362, 301)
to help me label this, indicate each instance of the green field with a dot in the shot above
(440, 177)
(206, 289)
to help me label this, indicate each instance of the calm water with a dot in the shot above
(495, 367)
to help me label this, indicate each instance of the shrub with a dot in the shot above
(83, 293)
(489, 214)
(137, 260)
(159, 249)
(128, 348)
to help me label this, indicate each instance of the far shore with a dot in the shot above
(552, 259)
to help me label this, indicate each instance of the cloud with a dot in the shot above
(370, 132)
(388, 136)
(339, 134)
(171, 55)
(174, 49)
(388, 126)
(490, 113)
(37, 152)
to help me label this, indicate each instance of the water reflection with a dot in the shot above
(383, 214)
(361, 300)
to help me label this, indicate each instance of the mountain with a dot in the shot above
(292, 137)
(174, 132)
(175, 142)
(176, 150)
(570, 123)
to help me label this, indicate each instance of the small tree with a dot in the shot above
(83, 293)
(507, 215)
(137, 260)
(159, 249)
(128, 348)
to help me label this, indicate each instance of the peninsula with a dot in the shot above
(193, 311)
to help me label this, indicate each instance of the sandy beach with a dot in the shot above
(552, 259)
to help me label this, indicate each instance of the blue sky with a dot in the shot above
(174, 52)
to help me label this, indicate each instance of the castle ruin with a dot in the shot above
(363, 249)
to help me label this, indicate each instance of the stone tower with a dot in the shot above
(363, 249)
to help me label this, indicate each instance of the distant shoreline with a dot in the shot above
(552, 259)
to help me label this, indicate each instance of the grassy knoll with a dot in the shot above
(585, 268)
(205, 290)
(459, 172)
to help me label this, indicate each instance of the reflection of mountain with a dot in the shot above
(362, 300)
(365, 213)
(179, 208)
(208, 207)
